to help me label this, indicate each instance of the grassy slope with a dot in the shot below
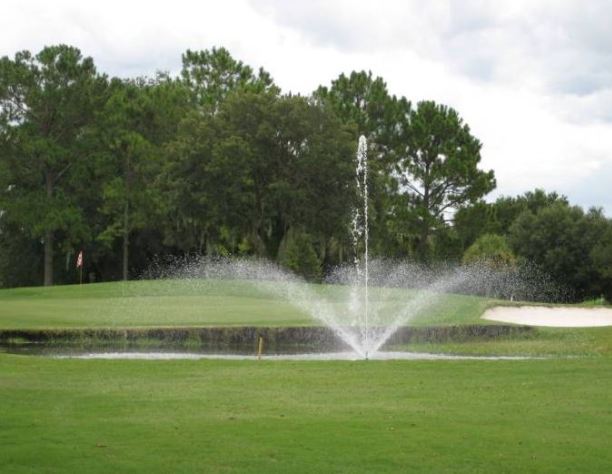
(219, 416)
(189, 303)
(557, 342)
(219, 302)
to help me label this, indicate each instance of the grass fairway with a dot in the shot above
(67, 415)
(193, 303)
(541, 342)
(221, 416)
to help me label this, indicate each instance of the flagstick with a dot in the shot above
(79, 264)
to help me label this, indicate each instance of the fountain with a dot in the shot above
(362, 309)
(360, 231)
(363, 303)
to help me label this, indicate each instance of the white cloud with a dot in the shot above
(532, 78)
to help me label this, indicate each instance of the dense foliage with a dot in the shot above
(218, 161)
(492, 249)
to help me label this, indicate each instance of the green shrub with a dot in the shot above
(298, 255)
(491, 249)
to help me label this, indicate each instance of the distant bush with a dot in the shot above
(602, 261)
(490, 249)
(569, 244)
(299, 256)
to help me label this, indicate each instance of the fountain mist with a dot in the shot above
(366, 302)
(361, 232)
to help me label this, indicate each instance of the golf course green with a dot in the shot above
(193, 303)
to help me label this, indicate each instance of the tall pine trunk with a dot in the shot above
(48, 246)
(126, 217)
(126, 240)
(48, 278)
(423, 246)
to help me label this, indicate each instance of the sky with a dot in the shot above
(532, 78)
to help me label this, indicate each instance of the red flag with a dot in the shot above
(79, 262)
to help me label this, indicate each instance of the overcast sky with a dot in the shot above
(532, 78)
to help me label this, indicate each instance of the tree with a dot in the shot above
(490, 249)
(298, 255)
(262, 165)
(363, 102)
(438, 168)
(497, 217)
(47, 102)
(127, 165)
(211, 75)
(561, 239)
(446, 245)
(20, 257)
(206, 186)
(602, 261)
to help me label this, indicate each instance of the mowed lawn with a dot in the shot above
(200, 303)
(68, 415)
(262, 416)
(540, 342)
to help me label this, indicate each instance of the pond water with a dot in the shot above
(244, 352)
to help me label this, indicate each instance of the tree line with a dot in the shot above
(217, 160)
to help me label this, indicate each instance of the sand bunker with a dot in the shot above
(567, 317)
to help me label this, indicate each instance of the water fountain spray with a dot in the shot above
(366, 303)
(360, 229)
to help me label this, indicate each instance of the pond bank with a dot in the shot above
(220, 336)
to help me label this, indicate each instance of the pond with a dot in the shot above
(166, 351)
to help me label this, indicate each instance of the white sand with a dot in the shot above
(567, 317)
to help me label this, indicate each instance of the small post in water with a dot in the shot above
(259, 348)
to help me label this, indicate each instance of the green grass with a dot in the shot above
(541, 342)
(195, 303)
(219, 416)
(175, 303)
(67, 415)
